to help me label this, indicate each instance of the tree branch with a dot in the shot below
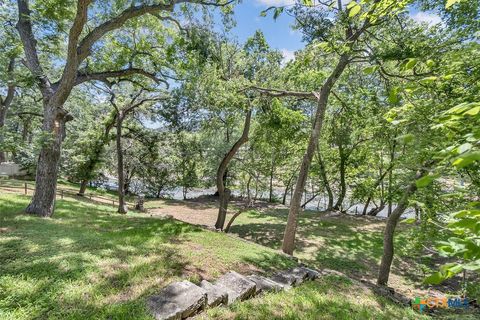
(105, 75)
(72, 62)
(24, 27)
(10, 86)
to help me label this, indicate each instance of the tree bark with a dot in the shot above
(43, 201)
(3, 113)
(122, 207)
(288, 245)
(222, 192)
(83, 187)
(287, 188)
(388, 247)
(249, 195)
(272, 169)
(323, 173)
(7, 101)
(343, 186)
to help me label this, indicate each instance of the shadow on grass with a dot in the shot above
(85, 258)
(90, 262)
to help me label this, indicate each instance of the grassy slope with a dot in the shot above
(88, 262)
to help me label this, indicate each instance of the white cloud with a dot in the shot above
(430, 18)
(288, 55)
(275, 2)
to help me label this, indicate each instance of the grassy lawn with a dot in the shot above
(88, 262)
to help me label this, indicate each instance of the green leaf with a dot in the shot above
(409, 220)
(354, 10)
(393, 97)
(410, 64)
(428, 79)
(466, 159)
(406, 138)
(472, 266)
(370, 70)
(278, 11)
(434, 278)
(424, 181)
(473, 112)
(451, 3)
(459, 109)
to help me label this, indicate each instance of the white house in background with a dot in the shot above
(11, 169)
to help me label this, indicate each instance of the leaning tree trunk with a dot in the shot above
(289, 236)
(287, 188)
(122, 207)
(222, 192)
(43, 201)
(388, 247)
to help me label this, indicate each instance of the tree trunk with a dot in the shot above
(287, 188)
(388, 248)
(375, 186)
(3, 113)
(83, 188)
(343, 186)
(289, 236)
(323, 173)
(43, 201)
(232, 219)
(375, 211)
(222, 192)
(7, 101)
(249, 195)
(390, 177)
(122, 207)
(272, 169)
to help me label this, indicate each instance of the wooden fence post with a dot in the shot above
(26, 188)
(61, 193)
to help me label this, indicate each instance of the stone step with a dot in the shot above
(292, 277)
(265, 284)
(178, 300)
(237, 286)
(215, 294)
(311, 273)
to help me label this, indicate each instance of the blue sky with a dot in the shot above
(278, 32)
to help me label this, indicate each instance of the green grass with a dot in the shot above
(87, 262)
